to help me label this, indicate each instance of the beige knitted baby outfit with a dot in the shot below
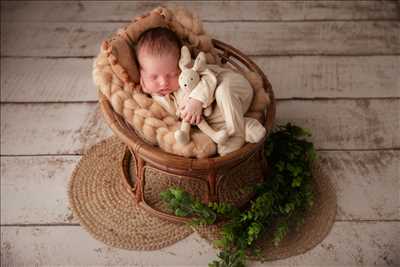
(230, 95)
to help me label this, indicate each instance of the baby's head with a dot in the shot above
(158, 52)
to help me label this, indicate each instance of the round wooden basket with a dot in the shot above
(147, 170)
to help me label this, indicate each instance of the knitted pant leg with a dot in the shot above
(233, 96)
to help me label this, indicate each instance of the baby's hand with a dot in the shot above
(192, 111)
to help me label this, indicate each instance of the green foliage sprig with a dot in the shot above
(279, 202)
(184, 205)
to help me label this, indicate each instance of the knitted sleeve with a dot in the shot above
(205, 90)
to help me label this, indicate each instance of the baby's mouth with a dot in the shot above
(164, 91)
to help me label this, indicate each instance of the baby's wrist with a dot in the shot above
(196, 100)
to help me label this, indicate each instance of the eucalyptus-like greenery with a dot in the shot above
(279, 203)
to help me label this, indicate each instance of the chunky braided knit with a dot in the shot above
(147, 117)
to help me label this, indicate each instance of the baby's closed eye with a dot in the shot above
(173, 74)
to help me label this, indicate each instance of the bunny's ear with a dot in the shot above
(185, 58)
(200, 62)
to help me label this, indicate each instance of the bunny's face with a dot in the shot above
(188, 79)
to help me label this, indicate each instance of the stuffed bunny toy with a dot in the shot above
(188, 79)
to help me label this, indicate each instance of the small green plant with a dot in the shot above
(184, 205)
(279, 202)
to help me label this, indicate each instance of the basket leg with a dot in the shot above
(264, 165)
(125, 165)
(140, 180)
(212, 191)
(137, 186)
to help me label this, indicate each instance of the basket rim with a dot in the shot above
(156, 156)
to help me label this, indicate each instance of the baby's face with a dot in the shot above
(159, 74)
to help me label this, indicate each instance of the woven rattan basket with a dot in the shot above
(222, 178)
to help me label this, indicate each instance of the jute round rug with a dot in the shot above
(106, 209)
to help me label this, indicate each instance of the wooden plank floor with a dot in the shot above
(334, 67)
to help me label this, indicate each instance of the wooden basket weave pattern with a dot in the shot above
(157, 181)
(236, 186)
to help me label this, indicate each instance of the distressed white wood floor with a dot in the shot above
(334, 67)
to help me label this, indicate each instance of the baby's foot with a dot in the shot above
(234, 143)
(254, 130)
(220, 137)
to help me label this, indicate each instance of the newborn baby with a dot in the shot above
(158, 52)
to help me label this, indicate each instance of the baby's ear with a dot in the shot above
(200, 62)
(185, 58)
